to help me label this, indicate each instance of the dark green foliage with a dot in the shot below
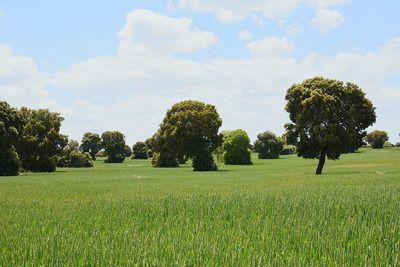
(288, 150)
(328, 117)
(79, 159)
(114, 146)
(190, 128)
(150, 153)
(164, 160)
(268, 145)
(41, 142)
(140, 151)
(72, 157)
(397, 144)
(10, 129)
(91, 143)
(128, 151)
(377, 138)
(236, 146)
(9, 162)
(204, 162)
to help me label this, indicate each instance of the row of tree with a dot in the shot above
(328, 118)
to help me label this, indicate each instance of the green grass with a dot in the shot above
(276, 212)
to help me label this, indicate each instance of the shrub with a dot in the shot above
(388, 144)
(288, 150)
(268, 145)
(164, 160)
(236, 146)
(79, 159)
(140, 151)
(377, 138)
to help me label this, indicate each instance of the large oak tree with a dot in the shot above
(329, 118)
(189, 129)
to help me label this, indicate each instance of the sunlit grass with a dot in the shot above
(276, 212)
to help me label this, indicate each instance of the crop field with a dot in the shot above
(273, 213)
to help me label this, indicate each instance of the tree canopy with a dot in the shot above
(328, 117)
(190, 128)
(236, 148)
(139, 150)
(377, 138)
(41, 141)
(91, 143)
(114, 146)
(268, 145)
(10, 130)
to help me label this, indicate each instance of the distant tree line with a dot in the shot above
(328, 118)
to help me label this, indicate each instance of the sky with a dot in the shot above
(119, 65)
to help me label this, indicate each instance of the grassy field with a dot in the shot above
(276, 212)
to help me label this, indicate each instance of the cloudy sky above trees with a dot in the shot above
(114, 65)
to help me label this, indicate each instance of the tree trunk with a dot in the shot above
(320, 163)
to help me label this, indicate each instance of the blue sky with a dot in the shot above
(109, 65)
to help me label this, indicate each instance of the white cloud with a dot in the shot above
(270, 47)
(245, 35)
(327, 20)
(148, 33)
(21, 83)
(137, 91)
(233, 10)
(132, 93)
(327, 3)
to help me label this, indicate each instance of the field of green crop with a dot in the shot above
(276, 212)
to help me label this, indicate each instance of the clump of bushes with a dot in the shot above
(377, 138)
(72, 157)
(288, 150)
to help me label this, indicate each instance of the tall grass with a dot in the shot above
(273, 213)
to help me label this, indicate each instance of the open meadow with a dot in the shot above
(275, 212)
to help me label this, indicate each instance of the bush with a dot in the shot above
(388, 144)
(9, 162)
(377, 138)
(128, 151)
(268, 145)
(140, 151)
(80, 160)
(72, 157)
(236, 146)
(164, 160)
(288, 150)
(397, 144)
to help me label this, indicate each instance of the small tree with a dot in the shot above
(190, 128)
(328, 117)
(72, 157)
(128, 151)
(377, 138)
(268, 145)
(10, 130)
(114, 146)
(236, 146)
(91, 143)
(41, 142)
(139, 151)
